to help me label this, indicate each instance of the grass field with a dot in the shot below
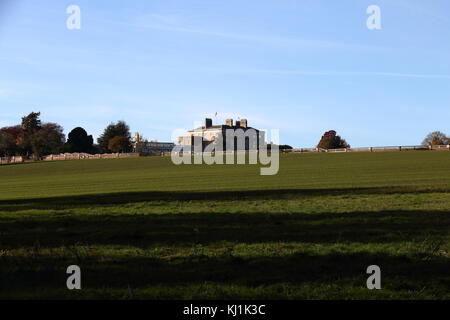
(146, 229)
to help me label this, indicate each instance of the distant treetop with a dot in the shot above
(330, 140)
(436, 138)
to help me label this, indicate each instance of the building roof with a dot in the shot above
(222, 126)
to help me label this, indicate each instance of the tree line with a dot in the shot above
(33, 139)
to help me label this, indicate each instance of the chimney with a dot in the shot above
(229, 122)
(208, 123)
(238, 123)
(244, 123)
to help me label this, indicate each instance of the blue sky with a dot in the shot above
(303, 66)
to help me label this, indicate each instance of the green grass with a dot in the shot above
(146, 229)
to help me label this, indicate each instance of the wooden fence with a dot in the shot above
(371, 149)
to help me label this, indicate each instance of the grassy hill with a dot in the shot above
(144, 228)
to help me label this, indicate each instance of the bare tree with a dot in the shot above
(436, 138)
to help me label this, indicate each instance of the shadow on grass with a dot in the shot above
(399, 272)
(188, 231)
(205, 228)
(89, 200)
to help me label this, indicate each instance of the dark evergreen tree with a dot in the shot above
(119, 129)
(79, 141)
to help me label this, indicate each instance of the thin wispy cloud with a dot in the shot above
(277, 72)
(349, 73)
(172, 23)
(19, 60)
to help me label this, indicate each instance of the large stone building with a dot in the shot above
(215, 134)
